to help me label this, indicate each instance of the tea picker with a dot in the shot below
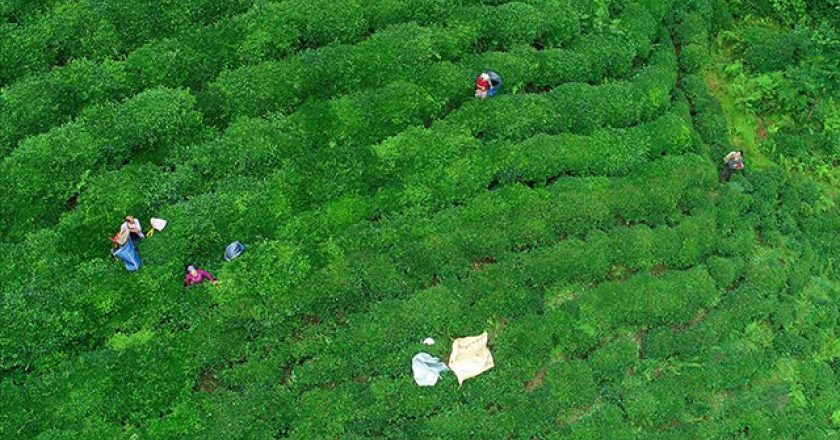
(197, 276)
(125, 243)
(732, 161)
(487, 84)
(130, 229)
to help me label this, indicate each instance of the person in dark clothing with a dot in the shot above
(732, 161)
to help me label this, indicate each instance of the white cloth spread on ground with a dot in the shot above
(470, 357)
(426, 369)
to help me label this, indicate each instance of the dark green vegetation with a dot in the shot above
(577, 218)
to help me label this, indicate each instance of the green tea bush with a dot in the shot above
(250, 147)
(570, 384)
(693, 27)
(577, 218)
(137, 190)
(618, 104)
(612, 362)
(526, 340)
(607, 421)
(272, 270)
(768, 50)
(647, 300)
(342, 69)
(498, 307)
(38, 103)
(693, 57)
(724, 270)
(98, 30)
(190, 59)
(70, 30)
(202, 226)
(510, 24)
(49, 169)
(47, 309)
(19, 11)
(605, 152)
(656, 405)
(708, 121)
(34, 173)
(140, 21)
(590, 59)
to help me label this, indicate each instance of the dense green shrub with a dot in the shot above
(571, 384)
(612, 362)
(618, 104)
(137, 190)
(656, 405)
(708, 121)
(191, 59)
(345, 68)
(647, 300)
(693, 57)
(606, 152)
(71, 29)
(99, 30)
(137, 22)
(19, 11)
(576, 217)
(47, 171)
(250, 147)
(38, 103)
(724, 270)
(767, 50)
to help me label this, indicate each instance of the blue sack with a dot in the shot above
(495, 83)
(234, 250)
(128, 254)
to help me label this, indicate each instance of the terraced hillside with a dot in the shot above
(577, 217)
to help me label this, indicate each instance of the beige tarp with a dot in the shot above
(470, 357)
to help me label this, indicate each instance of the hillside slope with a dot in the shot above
(577, 217)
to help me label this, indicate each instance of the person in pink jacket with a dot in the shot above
(197, 276)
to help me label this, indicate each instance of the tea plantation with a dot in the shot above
(576, 216)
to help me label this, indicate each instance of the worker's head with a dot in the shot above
(485, 76)
(191, 269)
(129, 219)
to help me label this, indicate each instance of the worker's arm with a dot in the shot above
(206, 274)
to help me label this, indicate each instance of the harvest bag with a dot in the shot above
(427, 369)
(495, 83)
(234, 250)
(128, 254)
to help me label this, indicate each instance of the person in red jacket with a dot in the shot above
(482, 85)
(197, 276)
